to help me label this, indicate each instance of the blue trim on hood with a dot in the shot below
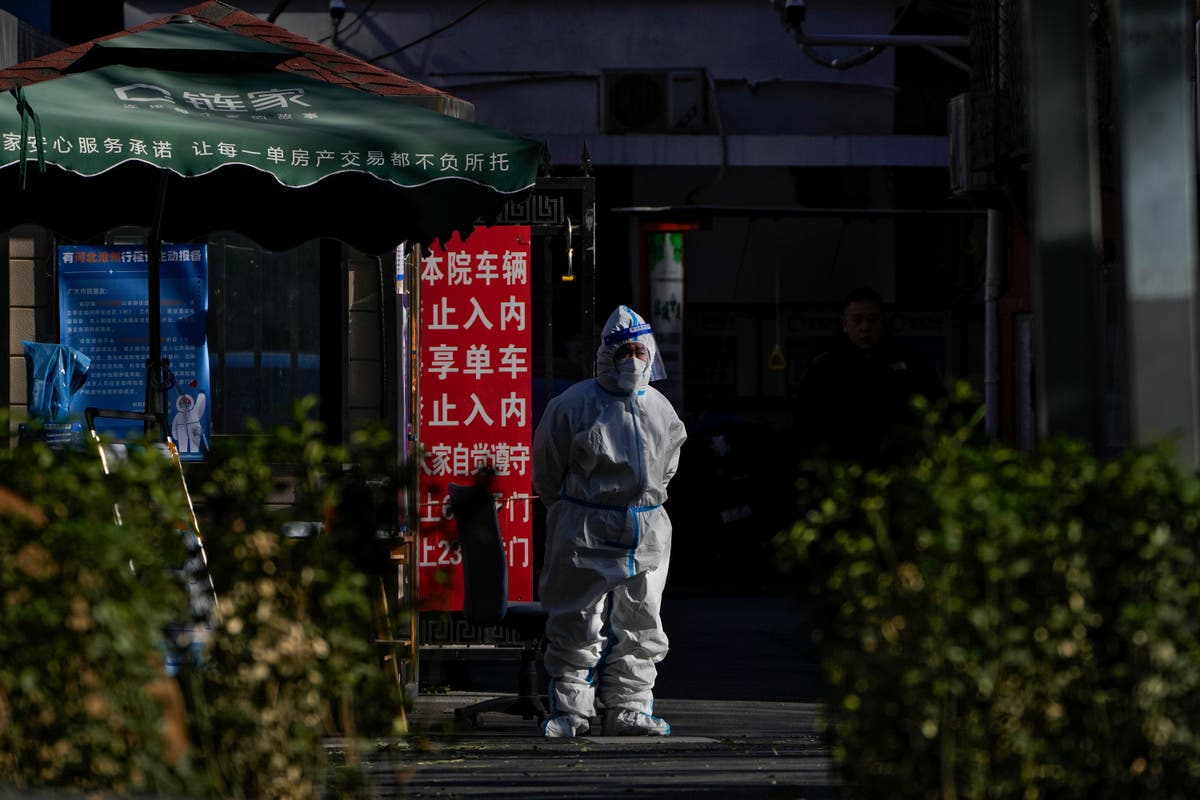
(625, 334)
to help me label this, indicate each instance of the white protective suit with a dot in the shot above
(602, 459)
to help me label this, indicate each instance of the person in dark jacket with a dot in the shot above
(854, 400)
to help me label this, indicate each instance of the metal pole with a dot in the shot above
(548, 311)
(588, 270)
(1065, 196)
(156, 373)
(991, 319)
(413, 467)
(880, 40)
(1158, 174)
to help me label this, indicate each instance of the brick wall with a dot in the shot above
(30, 306)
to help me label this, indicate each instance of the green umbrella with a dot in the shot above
(188, 129)
(275, 155)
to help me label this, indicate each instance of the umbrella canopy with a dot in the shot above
(237, 145)
(188, 128)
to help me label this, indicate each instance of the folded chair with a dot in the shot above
(485, 600)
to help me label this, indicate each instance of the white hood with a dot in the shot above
(626, 325)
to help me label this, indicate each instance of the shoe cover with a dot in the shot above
(565, 726)
(624, 722)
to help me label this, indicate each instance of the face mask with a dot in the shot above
(629, 373)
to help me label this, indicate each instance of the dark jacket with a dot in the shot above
(854, 404)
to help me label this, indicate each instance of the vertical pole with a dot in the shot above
(991, 320)
(412, 493)
(6, 393)
(402, 365)
(156, 368)
(1158, 174)
(588, 271)
(1065, 200)
(548, 311)
(156, 373)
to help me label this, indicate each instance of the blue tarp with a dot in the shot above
(56, 373)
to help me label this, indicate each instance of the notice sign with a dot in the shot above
(103, 300)
(475, 388)
(664, 251)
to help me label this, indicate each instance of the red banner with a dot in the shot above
(475, 411)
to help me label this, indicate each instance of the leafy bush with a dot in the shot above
(82, 686)
(293, 659)
(1002, 624)
(82, 606)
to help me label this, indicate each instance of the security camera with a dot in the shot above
(792, 12)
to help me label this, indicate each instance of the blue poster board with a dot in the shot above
(103, 299)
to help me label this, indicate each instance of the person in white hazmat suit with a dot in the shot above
(603, 454)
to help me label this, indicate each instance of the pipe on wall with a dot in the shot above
(993, 272)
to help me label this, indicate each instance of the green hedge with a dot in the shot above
(83, 698)
(80, 630)
(293, 660)
(1002, 624)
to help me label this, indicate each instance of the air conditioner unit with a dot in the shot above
(655, 101)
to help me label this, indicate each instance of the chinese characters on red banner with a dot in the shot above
(475, 390)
